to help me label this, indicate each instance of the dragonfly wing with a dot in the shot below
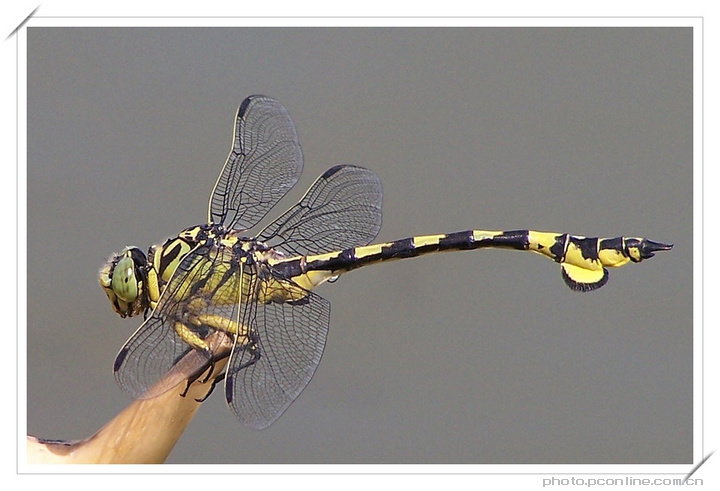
(264, 164)
(169, 348)
(342, 209)
(283, 351)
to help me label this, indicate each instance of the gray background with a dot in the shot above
(476, 357)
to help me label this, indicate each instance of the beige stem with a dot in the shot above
(144, 433)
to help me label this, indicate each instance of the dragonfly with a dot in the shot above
(258, 291)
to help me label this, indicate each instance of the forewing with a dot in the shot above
(156, 358)
(264, 164)
(342, 209)
(287, 341)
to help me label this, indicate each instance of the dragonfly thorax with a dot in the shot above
(133, 281)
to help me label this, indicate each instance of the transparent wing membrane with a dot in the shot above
(265, 376)
(342, 209)
(264, 164)
(155, 358)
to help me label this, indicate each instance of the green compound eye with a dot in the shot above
(124, 282)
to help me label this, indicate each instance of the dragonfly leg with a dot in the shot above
(218, 322)
(212, 387)
(254, 351)
(208, 369)
(190, 337)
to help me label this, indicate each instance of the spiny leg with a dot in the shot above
(215, 381)
(254, 351)
(209, 368)
(189, 336)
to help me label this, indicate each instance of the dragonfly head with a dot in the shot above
(124, 279)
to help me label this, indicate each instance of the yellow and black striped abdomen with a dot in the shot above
(583, 259)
